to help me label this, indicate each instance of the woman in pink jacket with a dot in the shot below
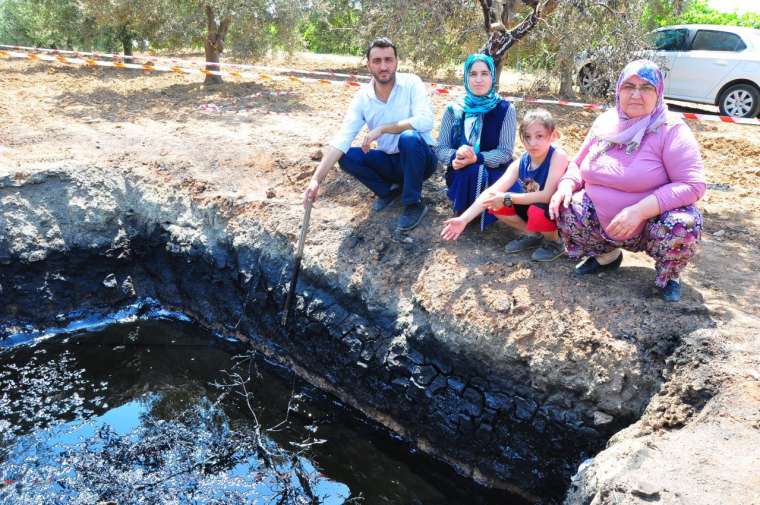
(634, 185)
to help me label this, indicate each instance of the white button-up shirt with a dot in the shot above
(408, 100)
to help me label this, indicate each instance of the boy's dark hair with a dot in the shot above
(381, 42)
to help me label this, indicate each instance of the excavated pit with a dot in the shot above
(107, 243)
(443, 404)
(144, 404)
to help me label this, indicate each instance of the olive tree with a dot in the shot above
(595, 37)
(434, 34)
(46, 23)
(254, 26)
(498, 15)
(128, 20)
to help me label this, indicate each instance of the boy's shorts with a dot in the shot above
(536, 215)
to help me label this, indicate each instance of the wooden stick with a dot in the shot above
(297, 262)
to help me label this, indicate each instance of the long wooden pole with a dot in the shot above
(297, 262)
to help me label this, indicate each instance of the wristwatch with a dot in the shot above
(507, 201)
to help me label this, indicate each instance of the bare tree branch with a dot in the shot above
(500, 41)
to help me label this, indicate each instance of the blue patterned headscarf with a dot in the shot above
(473, 104)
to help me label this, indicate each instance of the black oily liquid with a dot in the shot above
(163, 412)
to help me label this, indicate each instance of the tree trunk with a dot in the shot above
(126, 43)
(566, 55)
(214, 44)
(507, 16)
(498, 66)
(567, 75)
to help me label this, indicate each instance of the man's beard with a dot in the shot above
(390, 78)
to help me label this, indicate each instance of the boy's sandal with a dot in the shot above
(549, 251)
(523, 243)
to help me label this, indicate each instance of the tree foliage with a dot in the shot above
(81, 24)
(46, 23)
(433, 35)
(127, 20)
(331, 27)
(255, 26)
(662, 13)
(260, 25)
(430, 35)
(610, 30)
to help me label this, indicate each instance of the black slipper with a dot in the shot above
(591, 266)
(382, 202)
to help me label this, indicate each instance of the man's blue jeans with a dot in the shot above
(378, 170)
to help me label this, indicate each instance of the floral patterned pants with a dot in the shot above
(670, 238)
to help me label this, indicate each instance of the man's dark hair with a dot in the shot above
(381, 42)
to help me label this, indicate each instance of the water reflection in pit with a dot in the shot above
(148, 413)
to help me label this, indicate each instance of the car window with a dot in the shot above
(707, 40)
(670, 40)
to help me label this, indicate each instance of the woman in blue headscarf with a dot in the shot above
(476, 137)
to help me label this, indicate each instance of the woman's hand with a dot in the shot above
(465, 157)
(458, 164)
(560, 197)
(623, 226)
(452, 228)
(465, 151)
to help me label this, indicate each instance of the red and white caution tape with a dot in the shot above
(149, 67)
(182, 62)
(567, 103)
(54, 55)
(685, 115)
(723, 119)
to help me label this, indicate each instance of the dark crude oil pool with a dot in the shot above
(160, 412)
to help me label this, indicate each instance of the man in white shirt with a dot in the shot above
(397, 111)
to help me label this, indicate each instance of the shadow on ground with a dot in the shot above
(226, 103)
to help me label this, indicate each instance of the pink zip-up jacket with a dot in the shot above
(667, 165)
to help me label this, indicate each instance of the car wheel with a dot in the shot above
(592, 82)
(740, 100)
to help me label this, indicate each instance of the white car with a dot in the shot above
(710, 64)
